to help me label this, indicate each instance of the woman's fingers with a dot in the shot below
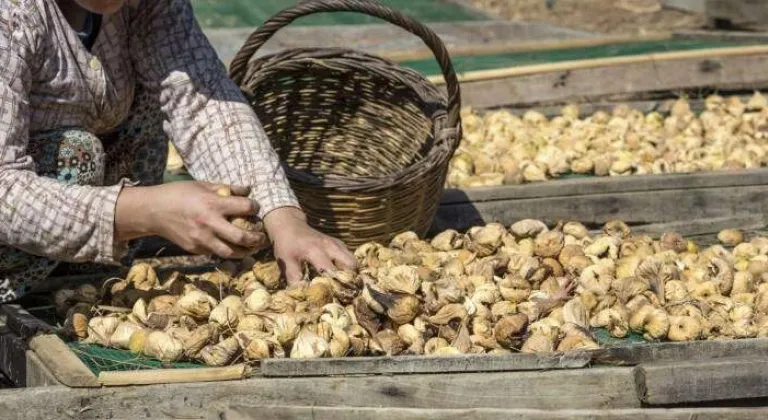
(236, 206)
(291, 267)
(321, 260)
(341, 255)
(236, 236)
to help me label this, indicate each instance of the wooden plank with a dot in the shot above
(12, 357)
(596, 388)
(38, 375)
(704, 226)
(606, 185)
(701, 381)
(242, 412)
(175, 376)
(719, 35)
(422, 364)
(592, 84)
(63, 364)
(633, 207)
(24, 324)
(388, 40)
(673, 352)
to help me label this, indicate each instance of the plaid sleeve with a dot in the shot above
(39, 215)
(217, 134)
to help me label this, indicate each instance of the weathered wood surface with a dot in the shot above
(704, 226)
(679, 352)
(621, 80)
(38, 375)
(745, 13)
(12, 360)
(639, 207)
(423, 364)
(64, 365)
(606, 185)
(596, 388)
(244, 412)
(390, 41)
(698, 381)
(719, 35)
(175, 376)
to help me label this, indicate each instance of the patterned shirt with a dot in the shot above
(49, 80)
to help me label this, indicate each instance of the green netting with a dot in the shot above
(250, 13)
(487, 62)
(604, 339)
(101, 359)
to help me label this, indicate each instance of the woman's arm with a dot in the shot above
(217, 133)
(214, 129)
(39, 215)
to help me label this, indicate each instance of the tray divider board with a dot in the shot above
(679, 352)
(175, 376)
(634, 208)
(423, 364)
(38, 374)
(607, 185)
(386, 413)
(64, 364)
(683, 382)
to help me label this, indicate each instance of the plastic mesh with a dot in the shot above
(604, 339)
(101, 359)
(465, 64)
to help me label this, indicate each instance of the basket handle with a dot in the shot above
(259, 37)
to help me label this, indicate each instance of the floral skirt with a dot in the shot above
(138, 150)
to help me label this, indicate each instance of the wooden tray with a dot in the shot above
(637, 200)
(38, 357)
(714, 199)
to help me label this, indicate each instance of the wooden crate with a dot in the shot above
(625, 377)
(695, 204)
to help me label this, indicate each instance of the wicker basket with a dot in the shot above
(365, 142)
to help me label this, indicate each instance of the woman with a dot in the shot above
(90, 91)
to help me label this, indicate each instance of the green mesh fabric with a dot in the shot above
(487, 62)
(604, 339)
(101, 359)
(250, 13)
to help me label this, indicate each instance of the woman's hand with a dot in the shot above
(295, 243)
(191, 215)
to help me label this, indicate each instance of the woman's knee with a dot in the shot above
(72, 156)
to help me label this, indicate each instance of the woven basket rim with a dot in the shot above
(445, 138)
